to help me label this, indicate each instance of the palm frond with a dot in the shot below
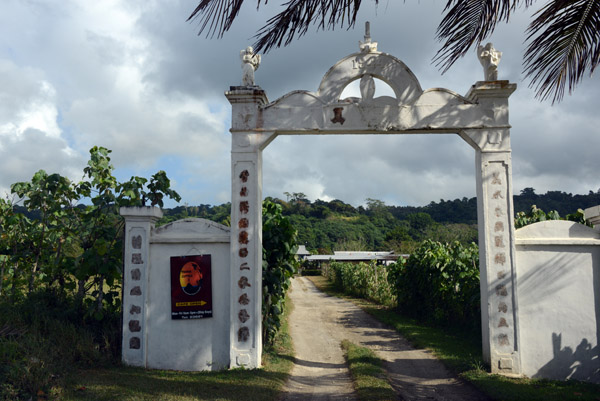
(564, 43)
(217, 16)
(469, 22)
(300, 14)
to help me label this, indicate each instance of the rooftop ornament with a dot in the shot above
(367, 46)
(250, 63)
(489, 59)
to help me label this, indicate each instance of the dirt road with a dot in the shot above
(320, 322)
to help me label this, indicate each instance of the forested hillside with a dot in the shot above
(327, 226)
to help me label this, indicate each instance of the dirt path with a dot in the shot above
(320, 322)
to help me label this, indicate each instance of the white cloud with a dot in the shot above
(134, 77)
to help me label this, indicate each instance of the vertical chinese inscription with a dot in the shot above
(497, 194)
(243, 240)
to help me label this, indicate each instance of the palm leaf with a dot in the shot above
(469, 22)
(300, 14)
(566, 42)
(217, 16)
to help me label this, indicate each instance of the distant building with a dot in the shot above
(385, 258)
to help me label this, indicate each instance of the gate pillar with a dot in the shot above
(248, 141)
(495, 213)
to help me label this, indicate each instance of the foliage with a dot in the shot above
(61, 269)
(279, 265)
(564, 41)
(328, 226)
(47, 337)
(364, 280)
(536, 215)
(440, 283)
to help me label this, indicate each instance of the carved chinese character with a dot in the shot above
(244, 266)
(134, 325)
(244, 207)
(243, 299)
(244, 175)
(136, 274)
(497, 195)
(500, 259)
(136, 291)
(135, 310)
(136, 258)
(501, 290)
(134, 343)
(136, 242)
(503, 339)
(499, 227)
(244, 191)
(501, 274)
(243, 282)
(243, 316)
(498, 212)
(243, 237)
(243, 223)
(243, 334)
(496, 179)
(502, 307)
(499, 241)
(243, 252)
(503, 322)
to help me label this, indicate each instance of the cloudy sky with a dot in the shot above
(133, 76)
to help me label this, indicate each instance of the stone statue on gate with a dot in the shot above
(489, 59)
(250, 63)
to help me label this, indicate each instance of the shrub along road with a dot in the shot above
(320, 322)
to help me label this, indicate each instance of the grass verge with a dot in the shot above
(128, 383)
(368, 375)
(460, 351)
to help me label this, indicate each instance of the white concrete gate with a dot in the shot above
(480, 118)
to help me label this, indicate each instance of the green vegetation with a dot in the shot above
(367, 372)
(365, 280)
(325, 227)
(279, 264)
(439, 282)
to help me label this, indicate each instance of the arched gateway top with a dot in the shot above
(411, 110)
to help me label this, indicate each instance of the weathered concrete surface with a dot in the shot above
(320, 322)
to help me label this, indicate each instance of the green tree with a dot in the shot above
(563, 38)
(279, 264)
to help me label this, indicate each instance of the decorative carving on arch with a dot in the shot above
(378, 65)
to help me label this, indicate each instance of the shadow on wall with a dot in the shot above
(581, 364)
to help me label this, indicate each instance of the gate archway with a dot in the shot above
(480, 118)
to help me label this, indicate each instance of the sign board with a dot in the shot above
(191, 292)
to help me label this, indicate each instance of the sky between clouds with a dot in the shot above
(134, 77)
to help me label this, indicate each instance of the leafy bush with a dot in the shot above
(279, 265)
(536, 215)
(440, 283)
(364, 280)
(45, 337)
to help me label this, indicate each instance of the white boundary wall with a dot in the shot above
(558, 287)
(151, 339)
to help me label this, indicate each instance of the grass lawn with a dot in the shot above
(461, 353)
(367, 373)
(128, 383)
